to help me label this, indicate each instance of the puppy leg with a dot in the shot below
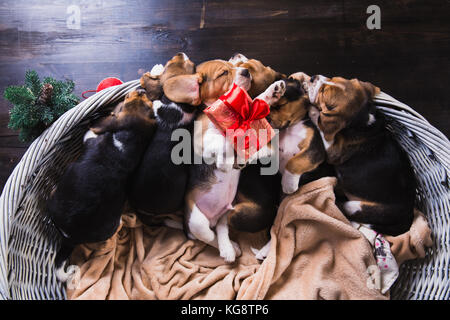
(216, 149)
(226, 248)
(198, 226)
(273, 93)
(308, 159)
(289, 182)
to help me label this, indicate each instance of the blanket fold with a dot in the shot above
(315, 253)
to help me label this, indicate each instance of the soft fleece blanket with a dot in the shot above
(315, 254)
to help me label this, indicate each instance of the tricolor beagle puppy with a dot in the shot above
(373, 171)
(212, 188)
(90, 196)
(301, 150)
(258, 195)
(154, 80)
(159, 184)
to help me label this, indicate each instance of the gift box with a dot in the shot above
(242, 121)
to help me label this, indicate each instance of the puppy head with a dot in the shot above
(341, 102)
(262, 76)
(153, 81)
(135, 109)
(213, 79)
(292, 106)
(178, 65)
(171, 115)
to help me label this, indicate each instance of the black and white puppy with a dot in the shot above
(89, 199)
(159, 184)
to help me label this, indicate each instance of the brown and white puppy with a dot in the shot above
(258, 194)
(373, 171)
(212, 187)
(301, 152)
(90, 196)
(300, 147)
(153, 81)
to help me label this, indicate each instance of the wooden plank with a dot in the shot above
(407, 58)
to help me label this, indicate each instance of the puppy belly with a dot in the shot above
(218, 200)
(289, 141)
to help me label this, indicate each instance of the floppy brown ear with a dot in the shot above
(370, 89)
(110, 123)
(184, 89)
(330, 126)
(152, 86)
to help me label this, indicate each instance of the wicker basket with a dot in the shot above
(28, 241)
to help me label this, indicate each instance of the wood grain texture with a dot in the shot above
(407, 58)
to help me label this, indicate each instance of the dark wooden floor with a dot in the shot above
(408, 57)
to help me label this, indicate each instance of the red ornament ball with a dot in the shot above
(105, 83)
(108, 82)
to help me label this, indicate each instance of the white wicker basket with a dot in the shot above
(28, 241)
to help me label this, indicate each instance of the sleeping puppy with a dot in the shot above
(159, 184)
(258, 195)
(90, 196)
(154, 80)
(373, 172)
(212, 187)
(301, 150)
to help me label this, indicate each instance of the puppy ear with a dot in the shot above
(330, 126)
(110, 123)
(184, 89)
(370, 89)
(152, 86)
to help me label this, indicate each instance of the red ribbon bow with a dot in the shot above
(246, 109)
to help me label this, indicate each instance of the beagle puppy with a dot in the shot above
(373, 171)
(159, 184)
(301, 150)
(154, 80)
(90, 196)
(258, 195)
(212, 187)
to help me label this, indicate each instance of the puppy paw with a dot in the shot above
(227, 252)
(262, 253)
(352, 207)
(289, 182)
(237, 249)
(157, 70)
(274, 92)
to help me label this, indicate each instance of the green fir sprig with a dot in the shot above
(37, 104)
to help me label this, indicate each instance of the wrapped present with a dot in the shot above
(242, 121)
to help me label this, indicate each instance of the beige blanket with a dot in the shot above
(315, 254)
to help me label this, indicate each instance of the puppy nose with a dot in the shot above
(140, 91)
(313, 78)
(245, 73)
